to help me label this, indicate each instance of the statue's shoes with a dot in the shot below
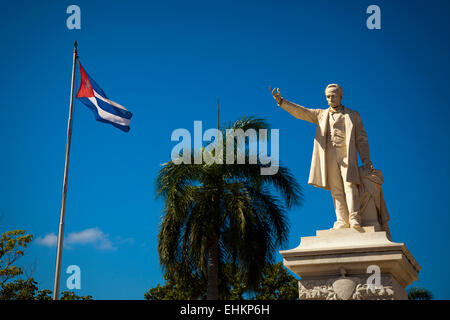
(340, 225)
(355, 225)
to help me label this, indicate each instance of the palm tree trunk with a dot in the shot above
(213, 269)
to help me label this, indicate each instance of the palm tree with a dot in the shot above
(218, 213)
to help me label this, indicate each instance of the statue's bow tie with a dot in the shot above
(335, 110)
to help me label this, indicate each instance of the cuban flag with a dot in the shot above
(104, 109)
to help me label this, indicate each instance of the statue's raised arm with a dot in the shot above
(296, 110)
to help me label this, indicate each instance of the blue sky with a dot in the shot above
(168, 62)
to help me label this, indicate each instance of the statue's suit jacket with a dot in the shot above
(355, 136)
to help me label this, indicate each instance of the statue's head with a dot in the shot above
(333, 93)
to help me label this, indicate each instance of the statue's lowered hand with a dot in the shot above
(369, 167)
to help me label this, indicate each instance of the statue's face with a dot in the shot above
(333, 97)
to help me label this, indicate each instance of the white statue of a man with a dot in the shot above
(340, 135)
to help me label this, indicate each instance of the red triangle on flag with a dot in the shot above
(85, 90)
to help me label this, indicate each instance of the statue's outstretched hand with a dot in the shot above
(276, 95)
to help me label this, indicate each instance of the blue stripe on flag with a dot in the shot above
(114, 110)
(89, 104)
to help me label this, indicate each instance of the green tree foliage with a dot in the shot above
(275, 284)
(12, 287)
(223, 213)
(69, 295)
(178, 287)
(416, 293)
(20, 290)
(12, 247)
(28, 290)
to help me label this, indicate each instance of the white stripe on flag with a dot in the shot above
(109, 116)
(115, 104)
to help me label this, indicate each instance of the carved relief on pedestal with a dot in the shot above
(345, 288)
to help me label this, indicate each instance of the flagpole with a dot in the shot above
(64, 191)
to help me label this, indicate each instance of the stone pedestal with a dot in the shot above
(351, 264)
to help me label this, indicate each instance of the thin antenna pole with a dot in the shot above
(218, 128)
(64, 191)
(218, 105)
